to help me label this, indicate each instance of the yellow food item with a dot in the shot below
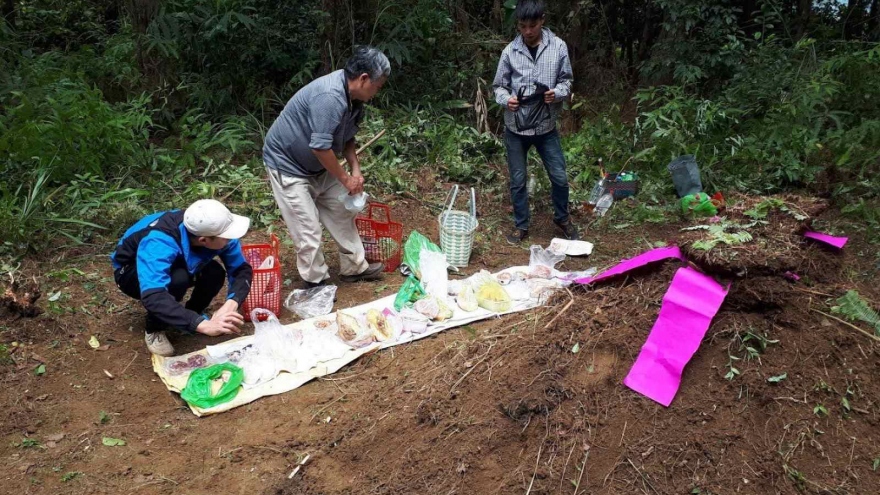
(379, 325)
(491, 296)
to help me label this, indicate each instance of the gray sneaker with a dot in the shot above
(158, 344)
(373, 272)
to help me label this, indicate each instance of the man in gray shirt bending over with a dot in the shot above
(319, 122)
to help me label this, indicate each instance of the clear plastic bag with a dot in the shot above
(183, 365)
(544, 257)
(273, 341)
(308, 303)
(434, 276)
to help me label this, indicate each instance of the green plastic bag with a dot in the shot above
(410, 292)
(414, 245)
(198, 387)
(699, 205)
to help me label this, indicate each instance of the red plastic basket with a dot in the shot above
(266, 284)
(383, 240)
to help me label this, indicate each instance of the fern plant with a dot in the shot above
(852, 306)
(718, 234)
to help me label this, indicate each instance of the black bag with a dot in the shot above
(532, 109)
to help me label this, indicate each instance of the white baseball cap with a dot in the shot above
(209, 218)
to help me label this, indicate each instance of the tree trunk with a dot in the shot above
(804, 9)
(872, 27)
(8, 12)
(142, 13)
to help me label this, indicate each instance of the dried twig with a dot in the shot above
(583, 468)
(870, 335)
(299, 466)
(564, 309)
(129, 363)
(334, 401)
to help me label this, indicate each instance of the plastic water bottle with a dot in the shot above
(354, 202)
(604, 204)
(597, 191)
(532, 183)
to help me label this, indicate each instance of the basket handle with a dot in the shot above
(380, 207)
(453, 192)
(276, 245)
(473, 203)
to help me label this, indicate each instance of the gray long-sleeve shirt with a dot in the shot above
(517, 68)
(320, 116)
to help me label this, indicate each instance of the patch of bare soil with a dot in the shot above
(527, 403)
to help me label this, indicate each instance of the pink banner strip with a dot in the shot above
(637, 262)
(689, 305)
(831, 240)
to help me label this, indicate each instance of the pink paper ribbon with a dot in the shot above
(831, 240)
(637, 262)
(689, 305)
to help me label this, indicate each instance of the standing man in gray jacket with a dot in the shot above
(319, 122)
(534, 77)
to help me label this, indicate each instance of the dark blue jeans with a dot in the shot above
(550, 150)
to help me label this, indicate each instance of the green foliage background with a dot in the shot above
(109, 110)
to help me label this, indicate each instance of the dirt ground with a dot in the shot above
(500, 406)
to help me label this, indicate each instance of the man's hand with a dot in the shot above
(513, 104)
(360, 178)
(221, 324)
(550, 96)
(354, 184)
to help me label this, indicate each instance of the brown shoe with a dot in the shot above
(373, 272)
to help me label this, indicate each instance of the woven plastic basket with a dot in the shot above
(382, 239)
(266, 284)
(457, 229)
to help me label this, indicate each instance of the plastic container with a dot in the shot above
(354, 202)
(382, 238)
(604, 204)
(266, 284)
(685, 175)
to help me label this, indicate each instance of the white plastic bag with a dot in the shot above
(544, 257)
(273, 341)
(308, 303)
(434, 276)
(571, 248)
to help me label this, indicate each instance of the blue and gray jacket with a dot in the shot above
(160, 240)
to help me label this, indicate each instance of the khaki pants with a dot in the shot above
(308, 202)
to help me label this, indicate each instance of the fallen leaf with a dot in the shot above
(54, 296)
(40, 370)
(576, 348)
(50, 445)
(102, 348)
(93, 342)
(42, 397)
(38, 358)
(112, 442)
(25, 467)
(55, 438)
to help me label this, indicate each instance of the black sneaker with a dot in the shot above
(373, 272)
(569, 229)
(517, 236)
(312, 285)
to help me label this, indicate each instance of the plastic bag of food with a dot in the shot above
(434, 308)
(412, 251)
(275, 342)
(308, 303)
(410, 292)
(489, 293)
(413, 321)
(434, 277)
(353, 331)
(467, 299)
(182, 365)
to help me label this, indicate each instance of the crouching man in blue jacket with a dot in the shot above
(164, 254)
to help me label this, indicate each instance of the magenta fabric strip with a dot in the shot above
(637, 262)
(831, 240)
(689, 305)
